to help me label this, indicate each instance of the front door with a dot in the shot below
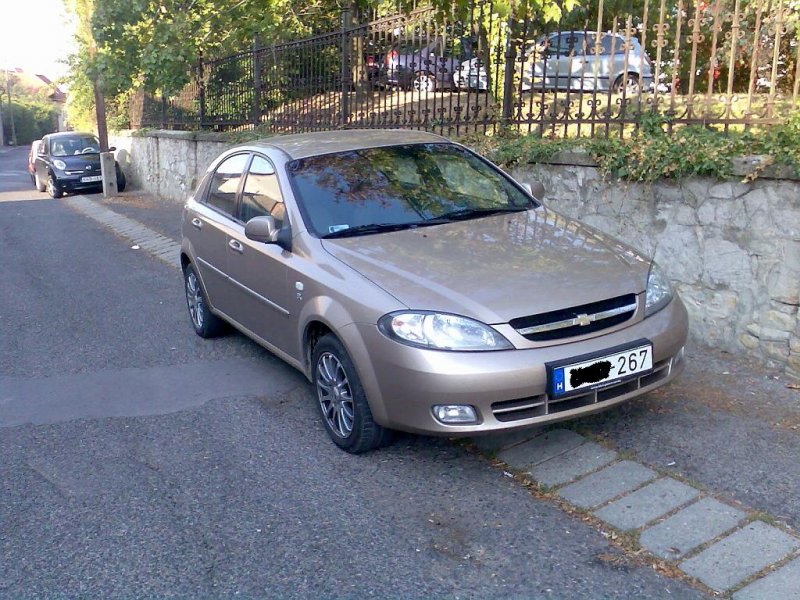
(259, 270)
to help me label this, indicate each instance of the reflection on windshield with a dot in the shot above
(411, 184)
(74, 144)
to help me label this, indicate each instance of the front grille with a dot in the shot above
(543, 405)
(578, 320)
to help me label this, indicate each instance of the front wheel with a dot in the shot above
(342, 401)
(424, 83)
(121, 181)
(52, 188)
(627, 84)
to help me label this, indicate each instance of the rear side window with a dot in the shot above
(225, 184)
(261, 195)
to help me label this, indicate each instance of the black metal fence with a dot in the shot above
(597, 72)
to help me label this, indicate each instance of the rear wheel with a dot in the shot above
(205, 323)
(342, 401)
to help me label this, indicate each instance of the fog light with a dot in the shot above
(455, 414)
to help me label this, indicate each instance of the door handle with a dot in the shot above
(197, 223)
(236, 246)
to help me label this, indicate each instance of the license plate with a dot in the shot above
(599, 370)
(91, 179)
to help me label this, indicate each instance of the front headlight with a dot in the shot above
(60, 164)
(441, 331)
(659, 290)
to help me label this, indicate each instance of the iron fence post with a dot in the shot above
(201, 94)
(256, 81)
(508, 73)
(345, 97)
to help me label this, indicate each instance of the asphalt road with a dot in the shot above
(141, 461)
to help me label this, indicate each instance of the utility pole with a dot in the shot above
(10, 111)
(2, 133)
(107, 163)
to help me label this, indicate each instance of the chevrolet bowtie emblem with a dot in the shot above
(583, 320)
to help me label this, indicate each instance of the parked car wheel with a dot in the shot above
(342, 401)
(121, 180)
(205, 323)
(52, 188)
(40, 185)
(627, 84)
(424, 83)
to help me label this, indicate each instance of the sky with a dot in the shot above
(34, 36)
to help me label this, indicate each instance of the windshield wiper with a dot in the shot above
(463, 214)
(370, 228)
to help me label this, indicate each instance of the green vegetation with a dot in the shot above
(651, 153)
(32, 119)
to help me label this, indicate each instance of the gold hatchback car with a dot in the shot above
(420, 288)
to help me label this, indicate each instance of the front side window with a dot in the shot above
(261, 195)
(399, 187)
(225, 183)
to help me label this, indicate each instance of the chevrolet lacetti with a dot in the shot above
(420, 288)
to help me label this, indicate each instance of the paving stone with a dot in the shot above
(608, 483)
(541, 448)
(783, 583)
(572, 464)
(691, 527)
(499, 441)
(740, 555)
(646, 504)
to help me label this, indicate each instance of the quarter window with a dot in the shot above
(262, 194)
(225, 183)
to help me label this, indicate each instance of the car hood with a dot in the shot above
(81, 162)
(497, 268)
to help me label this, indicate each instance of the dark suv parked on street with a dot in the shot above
(70, 162)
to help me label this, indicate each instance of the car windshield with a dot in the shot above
(399, 187)
(74, 144)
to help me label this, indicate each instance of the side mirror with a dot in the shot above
(263, 229)
(535, 189)
(112, 149)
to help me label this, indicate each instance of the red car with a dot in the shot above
(32, 159)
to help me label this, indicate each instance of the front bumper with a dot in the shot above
(506, 388)
(73, 183)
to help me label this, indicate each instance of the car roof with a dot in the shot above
(62, 134)
(304, 145)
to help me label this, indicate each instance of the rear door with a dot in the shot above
(212, 224)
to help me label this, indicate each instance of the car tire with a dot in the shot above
(40, 185)
(425, 83)
(53, 189)
(341, 399)
(205, 323)
(121, 180)
(627, 83)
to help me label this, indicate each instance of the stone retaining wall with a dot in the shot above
(732, 248)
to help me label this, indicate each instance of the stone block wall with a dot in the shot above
(732, 248)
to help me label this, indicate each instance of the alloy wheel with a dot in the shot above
(194, 298)
(335, 395)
